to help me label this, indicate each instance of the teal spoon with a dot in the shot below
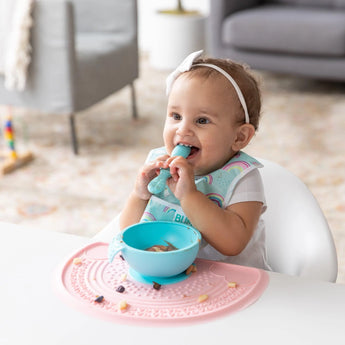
(157, 185)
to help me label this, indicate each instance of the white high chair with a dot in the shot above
(299, 241)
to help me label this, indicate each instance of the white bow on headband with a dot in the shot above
(186, 65)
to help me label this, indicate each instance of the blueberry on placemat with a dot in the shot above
(120, 289)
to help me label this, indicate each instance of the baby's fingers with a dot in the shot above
(174, 173)
(150, 170)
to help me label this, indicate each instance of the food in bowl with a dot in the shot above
(162, 248)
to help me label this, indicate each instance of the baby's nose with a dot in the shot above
(184, 129)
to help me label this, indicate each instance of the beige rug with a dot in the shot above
(302, 128)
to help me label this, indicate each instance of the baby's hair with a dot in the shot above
(243, 77)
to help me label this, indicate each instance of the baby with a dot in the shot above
(213, 107)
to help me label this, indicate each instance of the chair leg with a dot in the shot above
(134, 102)
(73, 134)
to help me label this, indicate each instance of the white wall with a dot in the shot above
(147, 8)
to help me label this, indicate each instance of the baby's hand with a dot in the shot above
(182, 177)
(148, 172)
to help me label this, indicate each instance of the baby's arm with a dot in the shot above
(132, 211)
(139, 197)
(227, 230)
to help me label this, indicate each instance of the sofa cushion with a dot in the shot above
(287, 29)
(324, 3)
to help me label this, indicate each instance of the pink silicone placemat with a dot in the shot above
(80, 284)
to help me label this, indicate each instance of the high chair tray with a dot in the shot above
(86, 275)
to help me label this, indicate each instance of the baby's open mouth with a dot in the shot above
(194, 150)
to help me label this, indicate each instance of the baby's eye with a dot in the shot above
(176, 116)
(203, 121)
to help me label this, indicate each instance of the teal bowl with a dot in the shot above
(133, 242)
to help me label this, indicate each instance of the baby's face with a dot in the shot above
(201, 112)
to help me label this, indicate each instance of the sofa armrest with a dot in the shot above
(219, 10)
(51, 72)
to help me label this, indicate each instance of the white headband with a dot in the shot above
(187, 64)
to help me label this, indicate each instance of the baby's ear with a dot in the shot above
(244, 135)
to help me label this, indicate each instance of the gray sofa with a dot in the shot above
(82, 52)
(300, 37)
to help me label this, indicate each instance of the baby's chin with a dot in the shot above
(201, 171)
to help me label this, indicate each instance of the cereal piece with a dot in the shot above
(122, 305)
(232, 284)
(99, 299)
(77, 261)
(190, 269)
(123, 277)
(120, 289)
(202, 298)
(156, 286)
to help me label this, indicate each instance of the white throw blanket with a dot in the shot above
(15, 49)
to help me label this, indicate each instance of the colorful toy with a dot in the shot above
(11, 160)
(157, 185)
